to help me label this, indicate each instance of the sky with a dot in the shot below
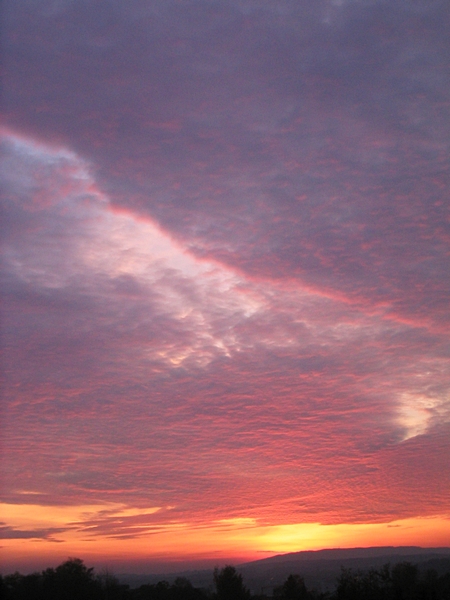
(225, 279)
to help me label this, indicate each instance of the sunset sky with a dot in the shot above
(225, 278)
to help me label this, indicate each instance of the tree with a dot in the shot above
(229, 585)
(360, 585)
(293, 588)
(71, 580)
(404, 580)
(111, 588)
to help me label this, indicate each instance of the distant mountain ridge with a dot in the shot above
(319, 568)
(346, 553)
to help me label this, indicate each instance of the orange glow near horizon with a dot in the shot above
(237, 540)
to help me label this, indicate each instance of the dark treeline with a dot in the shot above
(72, 580)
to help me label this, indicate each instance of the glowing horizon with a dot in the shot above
(70, 531)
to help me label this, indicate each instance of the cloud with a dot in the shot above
(144, 350)
(265, 139)
(113, 520)
(9, 533)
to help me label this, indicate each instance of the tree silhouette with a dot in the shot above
(404, 581)
(229, 584)
(359, 585)
(71, 580)
(293, 588)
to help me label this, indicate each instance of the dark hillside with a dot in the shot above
(320, 569)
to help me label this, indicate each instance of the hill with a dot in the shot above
(319, 568)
